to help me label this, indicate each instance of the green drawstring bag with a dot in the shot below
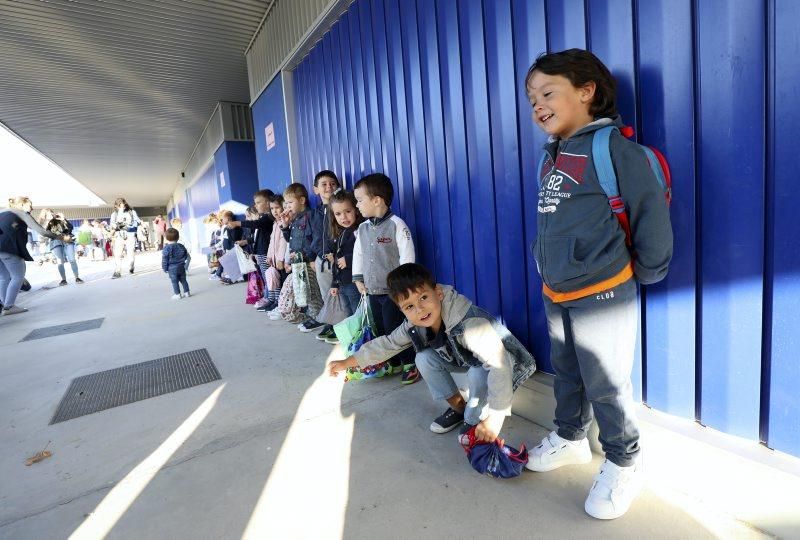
(349, 330)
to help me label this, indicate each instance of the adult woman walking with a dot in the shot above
(62, 250)
(14, 223)
(123, 224)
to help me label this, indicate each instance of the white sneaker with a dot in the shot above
(213, 277)
(13, 310)
(614, 490)
(555, 452)
(274, 315)
(187, 294)
(176, 297)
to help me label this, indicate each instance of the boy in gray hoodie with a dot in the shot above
(451, 335)
(589, 273)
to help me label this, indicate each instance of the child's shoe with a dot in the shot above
(309, 326)
(327, 331)
(213, 277)
(176, 297)
(187, 294)
(614, 490)
(333, 340)
(274, 315)
(555, 452)
(393, 370)
(261, 304)
(410, 374)
(447, 421)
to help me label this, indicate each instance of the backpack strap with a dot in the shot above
(601, 157)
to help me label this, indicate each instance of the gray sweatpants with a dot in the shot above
(592, 344)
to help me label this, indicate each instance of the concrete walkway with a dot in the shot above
(273, 450)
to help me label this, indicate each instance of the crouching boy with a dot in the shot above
(451, 335)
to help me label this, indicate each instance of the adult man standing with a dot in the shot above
(160, 226)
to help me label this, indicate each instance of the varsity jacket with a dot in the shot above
(382, 245)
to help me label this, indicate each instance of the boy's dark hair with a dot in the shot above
(265, 194)
(328, 174)
(334, 229)
(581, 67)
(277, 199)
(407, 278)
(172, 234)
(377, 185)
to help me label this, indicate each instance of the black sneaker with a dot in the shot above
(131, 270)
(62, 282)
(309, 326)
(78, 280)
(327, 331)
(116, 275)
(448, 421)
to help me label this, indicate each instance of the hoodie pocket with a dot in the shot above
(555, 256)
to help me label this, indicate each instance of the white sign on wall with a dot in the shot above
(269, 132)
(222, 179)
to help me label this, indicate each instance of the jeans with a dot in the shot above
(592, 343)
(177, 275)
(436, 372)
(388, 317)
(65, 252)
(12, 274)
(350, 297)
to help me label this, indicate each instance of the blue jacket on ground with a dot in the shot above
(173, 256)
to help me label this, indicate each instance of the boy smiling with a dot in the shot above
(451, 335)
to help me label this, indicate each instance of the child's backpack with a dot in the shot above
(601, 156)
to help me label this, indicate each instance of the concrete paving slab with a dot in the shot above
(273, 450)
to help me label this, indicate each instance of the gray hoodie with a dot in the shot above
(477, 340)
(579, 241)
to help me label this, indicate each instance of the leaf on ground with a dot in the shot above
(37, 457)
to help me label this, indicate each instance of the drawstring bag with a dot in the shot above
(352, 333)
(230, 266)
(255, 288)
(333, 311)
(286, 304)
(493, 459)
(300, 283)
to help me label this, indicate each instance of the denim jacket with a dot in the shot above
(477, 340)
(301, 234)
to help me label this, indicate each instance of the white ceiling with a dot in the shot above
(117, 92)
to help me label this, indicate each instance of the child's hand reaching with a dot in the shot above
(341, 263)
(487, 430)
(340, 365)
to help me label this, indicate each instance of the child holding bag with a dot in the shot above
(343, 221)
(276, 253)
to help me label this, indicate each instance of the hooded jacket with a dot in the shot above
(579, 241)
(476, 339)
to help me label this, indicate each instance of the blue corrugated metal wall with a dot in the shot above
(274, 170)
(432, 94)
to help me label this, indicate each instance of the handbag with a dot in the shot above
(246, 264)
(332, 311)
(230, 265)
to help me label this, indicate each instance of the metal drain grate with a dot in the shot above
(63, 329)
(120, 386)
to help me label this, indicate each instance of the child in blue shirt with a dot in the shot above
(174, 257)
(589, 275)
